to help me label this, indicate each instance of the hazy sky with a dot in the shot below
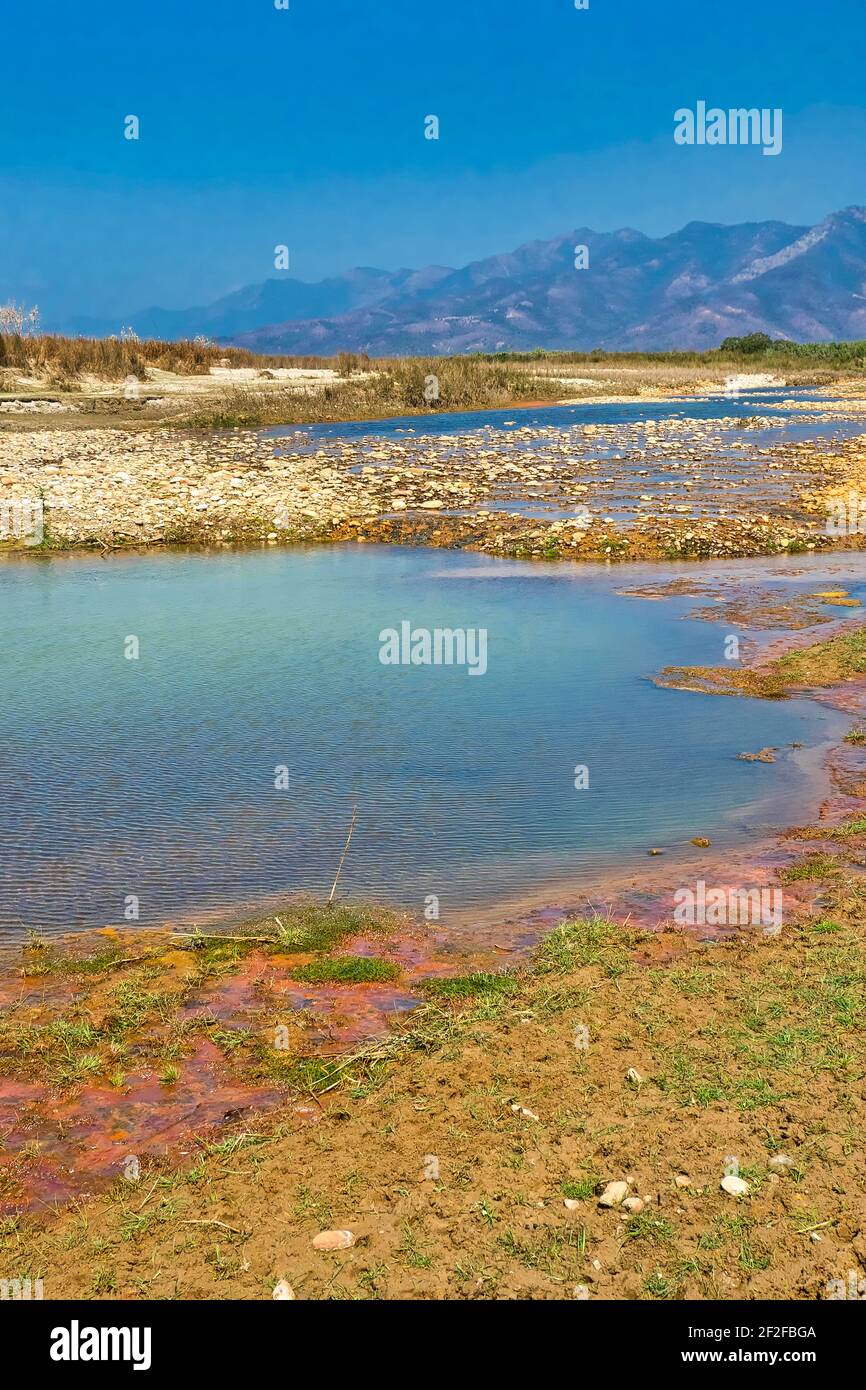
(305, 126)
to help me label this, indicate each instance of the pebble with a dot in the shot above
(227, 486)
(634, 1204)
(333, 1240)
(613, 1194)
(283, 1290)
(522, 1110)
(734, 1186)
(781, 1163)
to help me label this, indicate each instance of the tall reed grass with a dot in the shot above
(113, 359)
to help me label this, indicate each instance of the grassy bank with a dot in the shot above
(194, 383)
(754, 352)
(818, 666)
(398, 387)
(656, 1061)
(66, 360)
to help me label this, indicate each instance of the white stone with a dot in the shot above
(734, 1186)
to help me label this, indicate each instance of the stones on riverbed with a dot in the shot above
(282, 1290)
(701, 841)
(734, 1185)
(655, 851)
(333, 1240)
(614, 1194)
(699, 501)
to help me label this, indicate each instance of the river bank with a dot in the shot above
(464, 1138)
(466, 1156)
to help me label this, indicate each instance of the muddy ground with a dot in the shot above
(660, 1063)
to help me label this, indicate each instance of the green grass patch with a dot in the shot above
(473, 986)
(809, 867)
(589, 941)
(48, 962)
(647, 1227)
(348, 970)
(317, 927)
(826, 662)
(582, 1190)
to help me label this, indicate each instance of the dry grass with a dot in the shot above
(354, 387)
(114, 359)
(414, 385)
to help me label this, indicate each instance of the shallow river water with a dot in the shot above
(219, 766)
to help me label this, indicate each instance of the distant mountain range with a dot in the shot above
(272, 301)
(686, 290)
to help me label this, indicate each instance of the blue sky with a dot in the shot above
(306, 127)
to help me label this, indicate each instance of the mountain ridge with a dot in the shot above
(686, 290)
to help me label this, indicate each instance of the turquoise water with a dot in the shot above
(154, 778)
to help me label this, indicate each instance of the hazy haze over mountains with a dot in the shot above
(686, 290)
